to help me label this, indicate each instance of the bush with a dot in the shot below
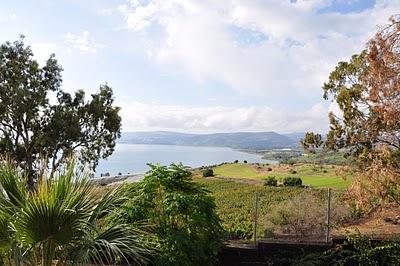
(292, 181)
(356, 251)
(208, 172)
(181, 214)
(245, 161)
(235, 161)
(271, 181)
(269, 169)
(293, 172)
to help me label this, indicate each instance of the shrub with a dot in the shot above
(292, 181)
(304, 214)
(271, 181)
(245, 161)
(208, 172)
(356, 251)
(235, 161)
(181, 214)
(269, 169)
(293, 172)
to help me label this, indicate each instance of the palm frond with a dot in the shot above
(117, 244)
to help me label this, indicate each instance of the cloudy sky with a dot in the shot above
(201, 65)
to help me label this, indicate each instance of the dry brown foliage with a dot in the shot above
(378, 182)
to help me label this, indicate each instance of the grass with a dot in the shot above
(318, 176)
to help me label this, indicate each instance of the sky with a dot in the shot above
(201, 65)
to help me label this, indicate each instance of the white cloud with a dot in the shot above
(84, 43)
(141, 116)
(300, 49)
(105, 11)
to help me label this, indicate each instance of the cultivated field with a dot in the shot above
(317, 176)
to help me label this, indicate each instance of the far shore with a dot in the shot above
(117, 179)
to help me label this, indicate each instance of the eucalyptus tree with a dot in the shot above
(367, 91)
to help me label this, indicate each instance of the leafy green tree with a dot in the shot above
(36, 132)
(63, 220)
(181, 214)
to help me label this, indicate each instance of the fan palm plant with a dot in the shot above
(64, 222)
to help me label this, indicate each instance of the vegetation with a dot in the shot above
(304, 215)
(320, 158)
(366, 91)
(36, 133)
(63, 221)
(235, 207)
(271, 181)
(356, 251)
(292, 181)
(311, 175)
(208, 172)
(179, 212)
(311, 142)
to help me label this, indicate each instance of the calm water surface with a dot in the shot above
(132, 158)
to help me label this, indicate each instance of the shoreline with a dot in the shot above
(117, 179)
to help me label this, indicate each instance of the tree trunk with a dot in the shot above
(31, 174)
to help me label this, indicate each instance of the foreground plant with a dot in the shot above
(180, 213)
(62, 222)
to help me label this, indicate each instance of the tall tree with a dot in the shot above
(37, 133)
(367, 92)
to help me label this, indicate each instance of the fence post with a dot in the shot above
(255, 218)
(328, 216)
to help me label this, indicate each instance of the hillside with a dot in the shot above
(240, 140)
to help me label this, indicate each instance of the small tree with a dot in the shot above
(182, 215)
(208, 172)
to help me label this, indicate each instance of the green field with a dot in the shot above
(312, 175)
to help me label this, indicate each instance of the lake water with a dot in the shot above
(132, 158)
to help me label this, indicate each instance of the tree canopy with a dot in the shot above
(179, 212)
(40, 124)
(367, 91)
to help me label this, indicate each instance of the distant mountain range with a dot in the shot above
(239, 140)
